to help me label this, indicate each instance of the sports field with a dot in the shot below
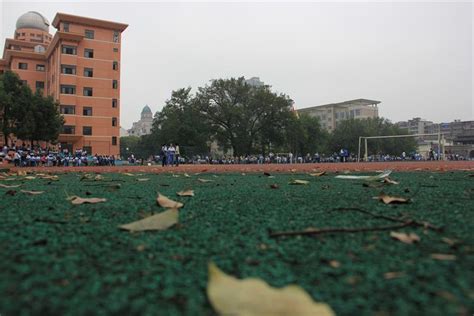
(59, 258)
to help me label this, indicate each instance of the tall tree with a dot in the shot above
(305, 135)
(11, 92)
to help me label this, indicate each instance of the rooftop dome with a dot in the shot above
(32, 20)
(146, 109)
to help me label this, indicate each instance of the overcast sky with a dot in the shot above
(417, 59)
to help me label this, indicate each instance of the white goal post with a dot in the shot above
(365, 138)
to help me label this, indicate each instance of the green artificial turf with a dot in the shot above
(58, 259)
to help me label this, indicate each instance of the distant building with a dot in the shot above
(255, 81)
(143, 126)
(331, 114)
(123, 132)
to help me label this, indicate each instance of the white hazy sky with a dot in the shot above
(417, 58)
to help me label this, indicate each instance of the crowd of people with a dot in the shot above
(36, 156)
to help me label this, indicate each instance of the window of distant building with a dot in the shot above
(88, 53)
(68, 69)
(68, 89)
(115, 65)
(65, 27)
(67, 109)
(69, 50)
(40, 68)
(114, 121)
(357, 112)
(114, 103)
(116, 36)
(23, 66)
(87, 130)
(89, 34)
(69, 129)
(87, 111)
(88, 72)
(114, 84)
(114, 141)
(39, 85)
(87, 92)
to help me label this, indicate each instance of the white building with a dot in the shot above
(143, 126)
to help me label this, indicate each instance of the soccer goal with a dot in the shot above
(439, 141)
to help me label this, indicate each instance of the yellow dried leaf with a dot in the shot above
(334, 264)
(165, 202)
(21, 173)
(204, 180)
(9, 186)
(389, 181)
(129, 174)
(387, 199)
(159, 221)
(443, 257)
(98, 177)
(185, 193)
(54, 178)
(143, 179)
(186, 175)
(405, 238)
(254, 297)
(32, 192)
(299, 182)
(30, 178)
(318, 174)
(78, 200)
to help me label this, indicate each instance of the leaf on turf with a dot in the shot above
(165, 202)
(53, 178)
(9, 186)
(159, 221)
(443, 257)
(405, 238)
(204, 180)
(143, 179)
(387, 199)
(387, 180)
(129, 174)
(274, 186)
(377, 177)
(175, 176)
(254, 297)
(21, 173)
(30, 178)
(318, 174)
(185, 193)
(186, 175)
(394, 275)
(299, 182)
(98, 177)
(78, 200)
(32, 192)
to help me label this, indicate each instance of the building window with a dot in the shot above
(114, 140)
(114, 121)
(69, 50)
(65, 27)
(114, 103)
(69, 129)
(87, 111)
(116, 36)
(89, 34)
(88, 53)
(357, 112)
(68, 89)
(87, 92)
(115, 65)
(39, 85)
(87, 130)
(68, 69)
(88, 72)
(23, 66)
(40, 68)
(115, 50)
(67, 109)
(114, 84)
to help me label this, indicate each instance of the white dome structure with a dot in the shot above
(32, 20)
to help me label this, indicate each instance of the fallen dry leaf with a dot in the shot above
(165, 202)
(318, 174)
(443, 257)
(405, 238)
(30, 178)
(175, 176)
(159, 221)
(32, 192)
(450, 241)
(98, 177)
(143, 179)
(274, 186)
(334, 264)
(293, 170)
(185, 193)
(186, 175)
(78, 200)
(53, 178)
(9, 186)
(21, 173)
(387, 199)
(129, 174)
(299, 182)
(393, 275)
(254, 297)
(389, 181)
(204, 180)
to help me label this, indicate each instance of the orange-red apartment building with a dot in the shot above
(80, 67)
